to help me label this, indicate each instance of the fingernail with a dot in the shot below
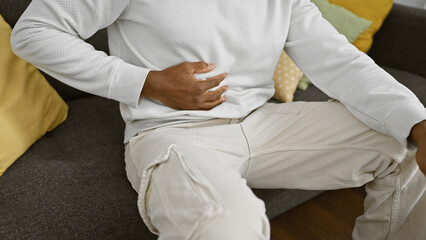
(212, 65)
(225, 88)
(222, 99)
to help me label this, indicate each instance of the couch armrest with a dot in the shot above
(401, 41)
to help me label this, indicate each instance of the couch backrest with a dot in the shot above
(401, 41)
(11, 10)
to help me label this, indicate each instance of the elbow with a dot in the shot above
(22, 41)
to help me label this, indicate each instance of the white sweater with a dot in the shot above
(243, 38)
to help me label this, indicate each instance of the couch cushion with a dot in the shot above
(72, 184)
(400, 42)
(311, 94)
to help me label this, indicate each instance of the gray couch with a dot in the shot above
(71, 184)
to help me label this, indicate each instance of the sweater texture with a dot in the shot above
(243, 38)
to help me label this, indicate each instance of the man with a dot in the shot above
(193, 77)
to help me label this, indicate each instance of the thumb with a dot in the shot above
(202, 67)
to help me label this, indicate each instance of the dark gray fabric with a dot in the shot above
(311, 94)
(400, 42)
(11, 10)
(71, 184)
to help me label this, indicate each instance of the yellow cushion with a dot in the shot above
(373, 10)
(286, 78)
(29, 106)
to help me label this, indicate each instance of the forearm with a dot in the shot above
(66, 58)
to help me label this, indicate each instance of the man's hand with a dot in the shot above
(418, 134)
(177, 88)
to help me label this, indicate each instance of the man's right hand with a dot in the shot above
(176, 87)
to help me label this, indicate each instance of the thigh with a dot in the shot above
(315, 145)
(194, 196)
(195, 181)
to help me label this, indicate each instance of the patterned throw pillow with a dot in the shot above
(286, 78)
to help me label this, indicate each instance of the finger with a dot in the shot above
(210, 105)
(211, 82)
(201, 67)
(214, 95)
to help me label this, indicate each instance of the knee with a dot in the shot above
(389, 156)
(213, 219)
(210, 203)
(246, 221)
(404, 168)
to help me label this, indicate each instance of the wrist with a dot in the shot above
(152, 84)
(418, 133)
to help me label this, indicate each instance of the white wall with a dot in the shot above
(412, 3)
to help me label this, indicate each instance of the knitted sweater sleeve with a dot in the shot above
(343, 72)
(50, 35)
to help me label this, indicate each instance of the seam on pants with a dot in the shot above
(395, 206)
(395, 157)
(249, 151)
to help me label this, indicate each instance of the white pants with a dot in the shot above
(201, 174)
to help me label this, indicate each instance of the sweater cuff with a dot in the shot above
(126, 87)
(400, 122)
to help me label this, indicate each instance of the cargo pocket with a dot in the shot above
(182, 198)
